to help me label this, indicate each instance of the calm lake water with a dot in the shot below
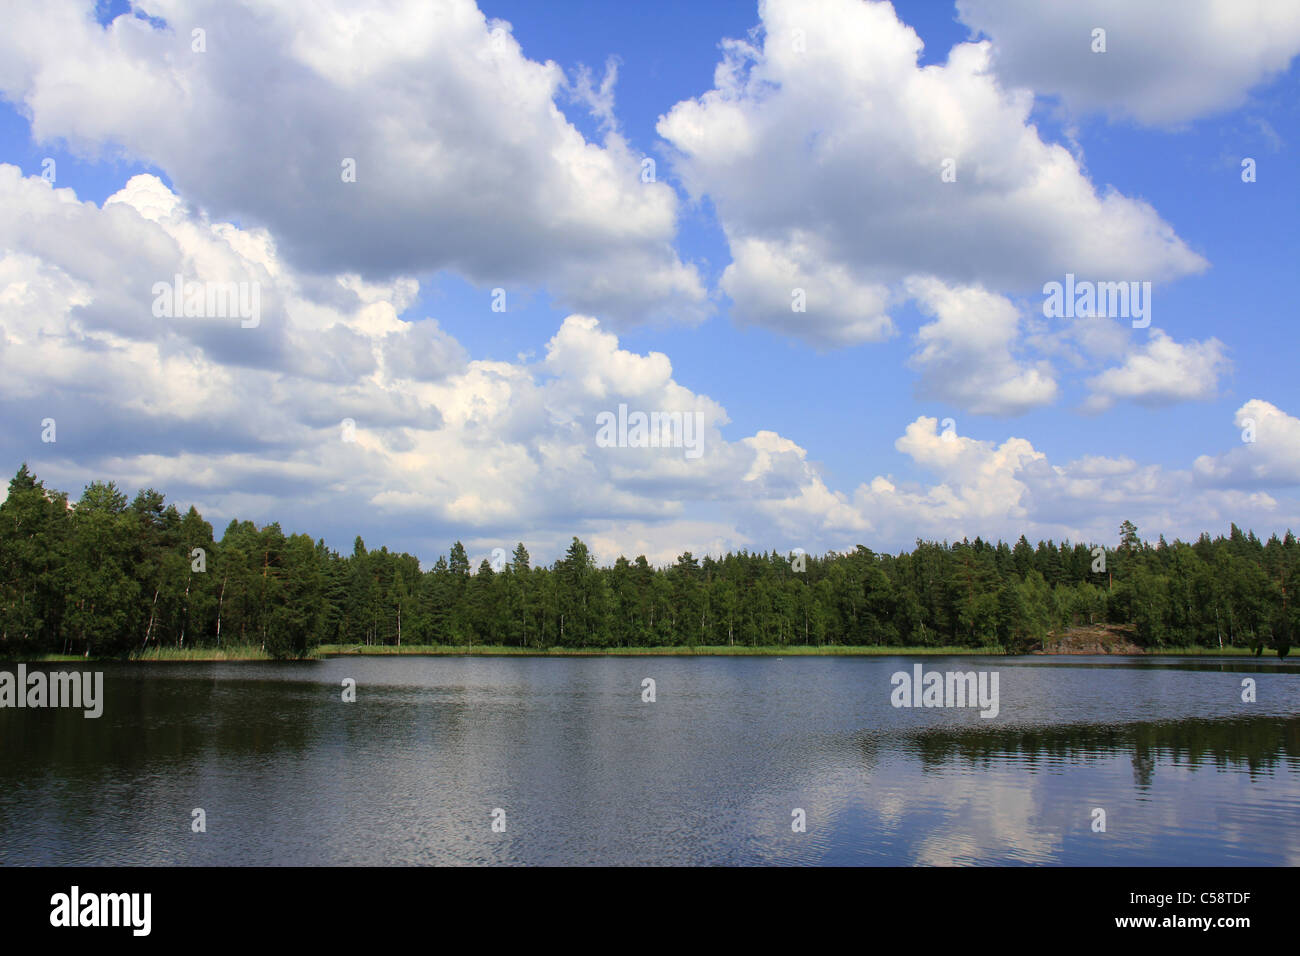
(709, 773)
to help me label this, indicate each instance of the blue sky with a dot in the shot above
(1120, 165)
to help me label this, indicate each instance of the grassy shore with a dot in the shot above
(251, 652)
(198, 654)
(255, 653)
(720, 650)
(1227, 651)
(723, 650)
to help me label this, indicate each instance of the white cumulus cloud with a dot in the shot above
(462, 159)
(1161, 372)
(1269, 453)
(1164, 63)
(823, 147)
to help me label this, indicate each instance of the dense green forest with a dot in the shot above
(105, 576)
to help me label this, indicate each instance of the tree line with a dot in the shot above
(107, 575)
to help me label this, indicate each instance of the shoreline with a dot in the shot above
(327, 651)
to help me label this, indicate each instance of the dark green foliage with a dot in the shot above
(105, 576)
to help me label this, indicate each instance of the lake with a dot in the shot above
(583, 771)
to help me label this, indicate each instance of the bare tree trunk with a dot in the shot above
(186, 618)
(266, 561)
(83, 631)
(220, 601)
(149, 630)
